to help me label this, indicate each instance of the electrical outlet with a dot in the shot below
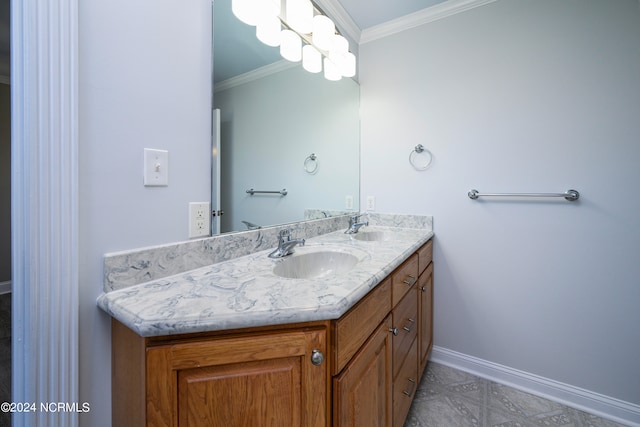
(199, 219)
(371, 203)
(348, 202)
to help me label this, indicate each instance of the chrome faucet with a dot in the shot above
(354, 225)
(285, 244)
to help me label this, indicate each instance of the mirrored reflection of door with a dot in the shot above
(216, 209)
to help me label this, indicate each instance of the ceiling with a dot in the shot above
(369, 13)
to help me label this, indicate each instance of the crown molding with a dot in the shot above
(341, 17)
(256, 74)
(430, 14)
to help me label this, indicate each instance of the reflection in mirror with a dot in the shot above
(281, 128)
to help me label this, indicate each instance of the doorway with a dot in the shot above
(5, 211)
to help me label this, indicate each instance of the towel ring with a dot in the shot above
(311, 164)
(412, 157)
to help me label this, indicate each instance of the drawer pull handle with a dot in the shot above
(413, 386)
(317, 357)
(410, 282)
(394, 331)
(412, 324)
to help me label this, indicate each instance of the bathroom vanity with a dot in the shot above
(352, 354)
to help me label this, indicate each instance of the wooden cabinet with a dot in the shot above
(405, 334)
(352, 329)
(425, 304)
(375, 382)
(362, 391)
(404, 278)
(273, 376)
(425, 307)
(404, 386)
(266, 379)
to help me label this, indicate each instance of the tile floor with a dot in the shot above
(447, 397)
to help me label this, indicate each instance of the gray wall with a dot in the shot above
(145, 81)
(520, 96)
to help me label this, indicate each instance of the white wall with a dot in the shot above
(520, 96)
(145, 81)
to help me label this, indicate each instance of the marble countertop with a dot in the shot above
(244, 292)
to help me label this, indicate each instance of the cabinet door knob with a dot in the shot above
(317, 357)
(394, 331)
(423, 288)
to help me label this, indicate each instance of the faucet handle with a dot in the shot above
(354, 218)
(285, 232)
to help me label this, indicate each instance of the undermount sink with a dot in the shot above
(316, 263)
(370, 236)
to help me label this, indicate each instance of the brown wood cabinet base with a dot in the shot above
(371, 364)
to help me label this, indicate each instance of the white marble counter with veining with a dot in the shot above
(244, 292)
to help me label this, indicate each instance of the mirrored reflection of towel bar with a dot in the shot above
(282, 192)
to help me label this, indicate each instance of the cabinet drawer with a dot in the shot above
(405, 322)
(353, 329)
(404, 279)
(425, 255)
(404, 386)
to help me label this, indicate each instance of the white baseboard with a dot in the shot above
(588, 401)
(5, 287)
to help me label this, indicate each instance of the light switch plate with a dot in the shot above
(156, 167)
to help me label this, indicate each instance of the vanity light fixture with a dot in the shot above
(290, 24)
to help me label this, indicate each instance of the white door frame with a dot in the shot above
(44, 207)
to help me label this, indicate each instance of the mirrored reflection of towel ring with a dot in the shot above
(311, 164)
(413, 158)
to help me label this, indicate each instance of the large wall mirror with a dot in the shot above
(280, 128)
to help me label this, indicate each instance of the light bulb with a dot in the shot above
(268, 31)
(246, 11)
(311, 59)
(323, 31)
(299, 15)
(339, 43)
(331, 72)
(348, 66)
(251, 12)
(290, 46)
(273, 7)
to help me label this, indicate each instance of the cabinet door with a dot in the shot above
(425, 307)
(362, 393)
(265, 380)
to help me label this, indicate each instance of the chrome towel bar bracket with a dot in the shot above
(570, 195)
